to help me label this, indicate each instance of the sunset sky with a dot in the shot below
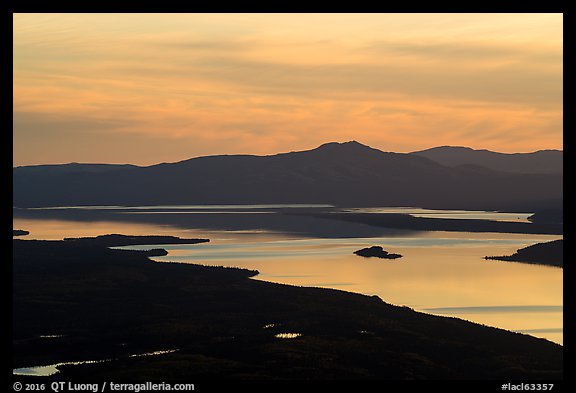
(149, 88)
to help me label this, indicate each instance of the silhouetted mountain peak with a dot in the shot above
(449, 149)
(541, 161)
(338, 173)
(343, 147)
(349, 144)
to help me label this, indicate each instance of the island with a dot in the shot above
(549, 253)
(117, 240)
(19, 232)
(376, 251)
(80, 300)
(409, 222)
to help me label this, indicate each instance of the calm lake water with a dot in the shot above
(442, 273)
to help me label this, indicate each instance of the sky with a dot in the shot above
(150, 88)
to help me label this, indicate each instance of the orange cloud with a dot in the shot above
(261, 84)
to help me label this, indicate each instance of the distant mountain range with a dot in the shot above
(73, 167)
(343, 174)
(542, 161)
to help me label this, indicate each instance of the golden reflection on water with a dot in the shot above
(425, 278)
(438, 269)
(55, 229)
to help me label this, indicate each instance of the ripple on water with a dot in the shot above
(288, 335)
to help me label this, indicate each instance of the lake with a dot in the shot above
(441, 273)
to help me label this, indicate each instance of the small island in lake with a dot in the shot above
(549, 253)
(376, 251)
(116, 240)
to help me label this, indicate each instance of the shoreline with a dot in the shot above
(307, 222)
(219, 306)
(408, 222)
(548, 254)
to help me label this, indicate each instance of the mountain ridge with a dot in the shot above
(348, 173)
(484, 150)
(540, 161)
(324, 146)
